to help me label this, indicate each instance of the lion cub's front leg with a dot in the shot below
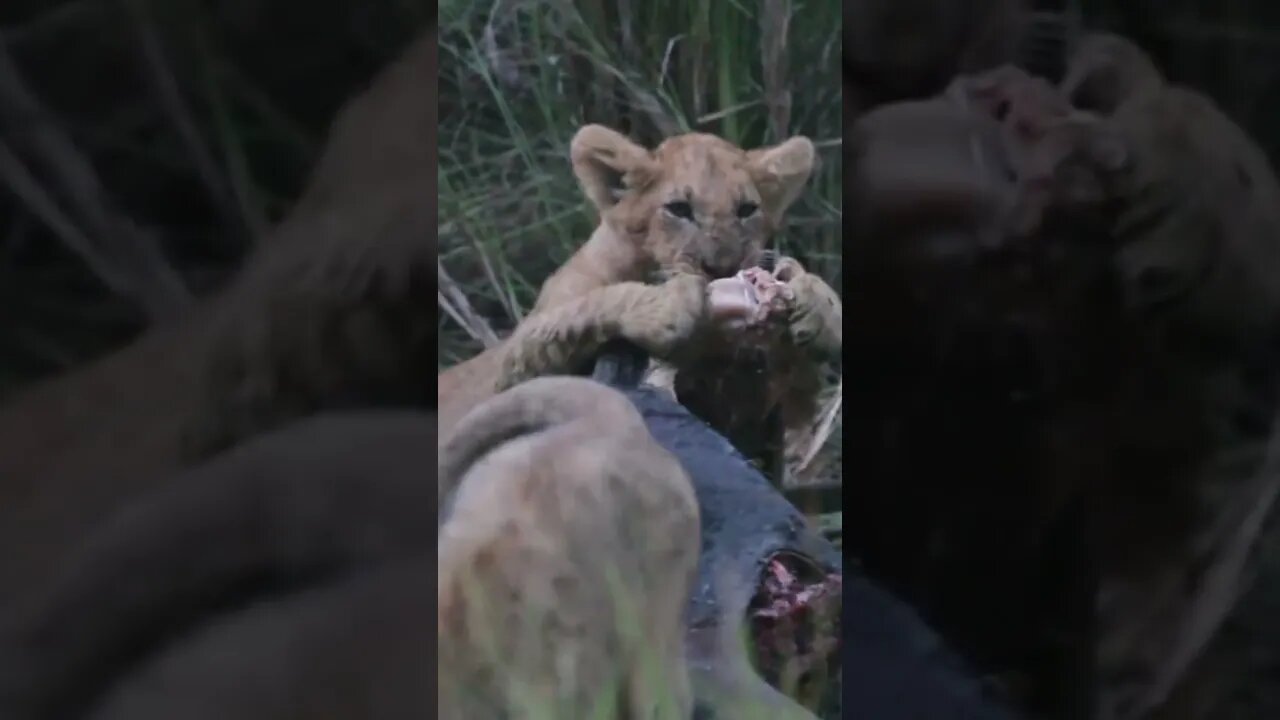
(661, 319)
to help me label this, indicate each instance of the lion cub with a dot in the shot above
(694, 209)
(565, 559)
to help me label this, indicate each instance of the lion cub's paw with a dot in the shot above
(671, 315)
(814, 309)
(758, 304)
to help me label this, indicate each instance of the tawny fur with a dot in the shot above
(737, 199)
(566, 560)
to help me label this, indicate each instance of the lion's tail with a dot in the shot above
(526, 409)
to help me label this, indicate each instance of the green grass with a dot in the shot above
(519, 77)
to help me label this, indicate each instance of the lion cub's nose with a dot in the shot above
(718, 269)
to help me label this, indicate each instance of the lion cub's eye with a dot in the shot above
(747, 209)
(680, 209)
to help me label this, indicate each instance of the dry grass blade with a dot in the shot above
(644, 101)
(27, 188)
(775, 20)
(142, 272)
(505, 297)
(454, 302)
(825, 425)
(499, 63)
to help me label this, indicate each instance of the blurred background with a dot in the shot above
(519, 77)
(147, 142)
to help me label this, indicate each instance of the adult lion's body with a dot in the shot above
(694, 208)
(571, 534)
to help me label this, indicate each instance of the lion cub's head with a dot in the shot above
(696, 200)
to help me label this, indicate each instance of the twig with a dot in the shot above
(454, 302)
(139, 269)
(453, 312)
(825, 426)
(507, 299)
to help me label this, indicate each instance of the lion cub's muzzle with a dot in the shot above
(718, 265)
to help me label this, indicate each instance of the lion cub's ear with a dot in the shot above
(780, 173)
(608, 164)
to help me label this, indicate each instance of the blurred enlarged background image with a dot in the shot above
(147, 146)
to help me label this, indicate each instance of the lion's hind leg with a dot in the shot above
(566, 559)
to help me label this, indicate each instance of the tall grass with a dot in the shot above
(519, 77)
